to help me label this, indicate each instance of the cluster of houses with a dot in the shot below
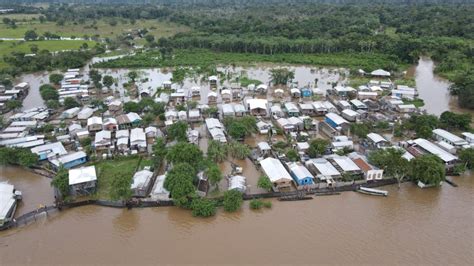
(73, 86)
(18, 92)
(295, 112)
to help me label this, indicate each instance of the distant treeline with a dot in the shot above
(213, 3)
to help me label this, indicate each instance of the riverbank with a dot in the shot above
(410, 226)
(32, 216)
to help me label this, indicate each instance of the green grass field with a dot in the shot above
(19, 17)
(108, 169)
(7, 47)
(101, 28)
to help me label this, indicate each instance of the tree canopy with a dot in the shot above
(428, 169)
(264, 183)
(281, 76)
(179, 182)
(61, 181)
(56, 78)
(17, 156)
(214, 174)
(184, 152)
(467, 157)
(317, 147)
(203, 207)
(217, 151)
(232, 200)
(392, 162)
(177, 131)
(48, 92)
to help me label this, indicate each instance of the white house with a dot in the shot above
(82, 181)
(137, 139)
(277, 173)
(448, 137)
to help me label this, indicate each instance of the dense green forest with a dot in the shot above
(396, 32)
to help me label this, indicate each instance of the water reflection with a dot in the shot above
(432, 89)
(126, 222)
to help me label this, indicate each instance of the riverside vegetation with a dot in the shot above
(366, 36)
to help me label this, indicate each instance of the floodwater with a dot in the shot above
(411, 226)
(36, 189)
(153, 78)
(432, 89)
(33, 99)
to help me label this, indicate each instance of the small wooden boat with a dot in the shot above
(372, 191)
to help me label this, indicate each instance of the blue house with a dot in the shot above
(335, 120)
(49, 150)
(306, 92)
(69, 161)
(301, 175)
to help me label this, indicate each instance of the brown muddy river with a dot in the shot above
(410, 226)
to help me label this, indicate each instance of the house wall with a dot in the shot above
(374, 175)
(302, 182)
(83, 188)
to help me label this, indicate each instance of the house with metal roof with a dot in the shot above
(8, 203)
(49, 150)
(448, 137)
(322, 168)
(301, 174)
(103, 140)
(85, 113)
(94, 124)
(350, 115)
(142, 181)
(375, 140)
(431, 148)
(138, 139)
(237, 182)
(335, 120)
(194, 115)
(345, 165)
(82, 181)
(257, 107)
(70, 113)
(128, 120)
(69, 160)
(276, 111)
(306, 109)
(159, 192)
(227, 110)
(277, 173)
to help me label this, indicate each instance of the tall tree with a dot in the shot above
(281, 76)
(428, 169)
(184, 152)
(217, 151)
(317, 147)
(56, 78)
(107, 80)
(392, 162)
(177, 131)
(179, 182)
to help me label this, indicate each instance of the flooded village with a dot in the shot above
(302, 141)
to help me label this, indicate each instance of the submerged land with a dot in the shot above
(204, 107)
